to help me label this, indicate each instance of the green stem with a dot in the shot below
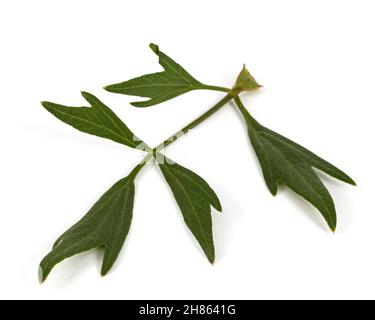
(194, 123)
(240, 105)
(251, 122)
(184, 130)
(216, 88)
(137, 168)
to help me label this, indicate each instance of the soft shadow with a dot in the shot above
(64, 273)
(224, 224)
(304, 207)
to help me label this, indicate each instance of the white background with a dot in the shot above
(316, 61)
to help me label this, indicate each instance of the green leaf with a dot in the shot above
(105, 225)
(245, 81)
(194, 197)
(98, 120)
(160, 86)
(284, 161)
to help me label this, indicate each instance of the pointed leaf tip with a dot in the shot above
(43, 271)
(104, 270)
(211, 259)
(44, 104)
(84, 93)
(154, 47)
(41, 277)
(351, 181)
(87, 96)
(331, 223)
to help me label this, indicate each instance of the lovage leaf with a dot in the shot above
(160, 86)
(105, 225)
(194, 197)
(98, 120)
(284, 161)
